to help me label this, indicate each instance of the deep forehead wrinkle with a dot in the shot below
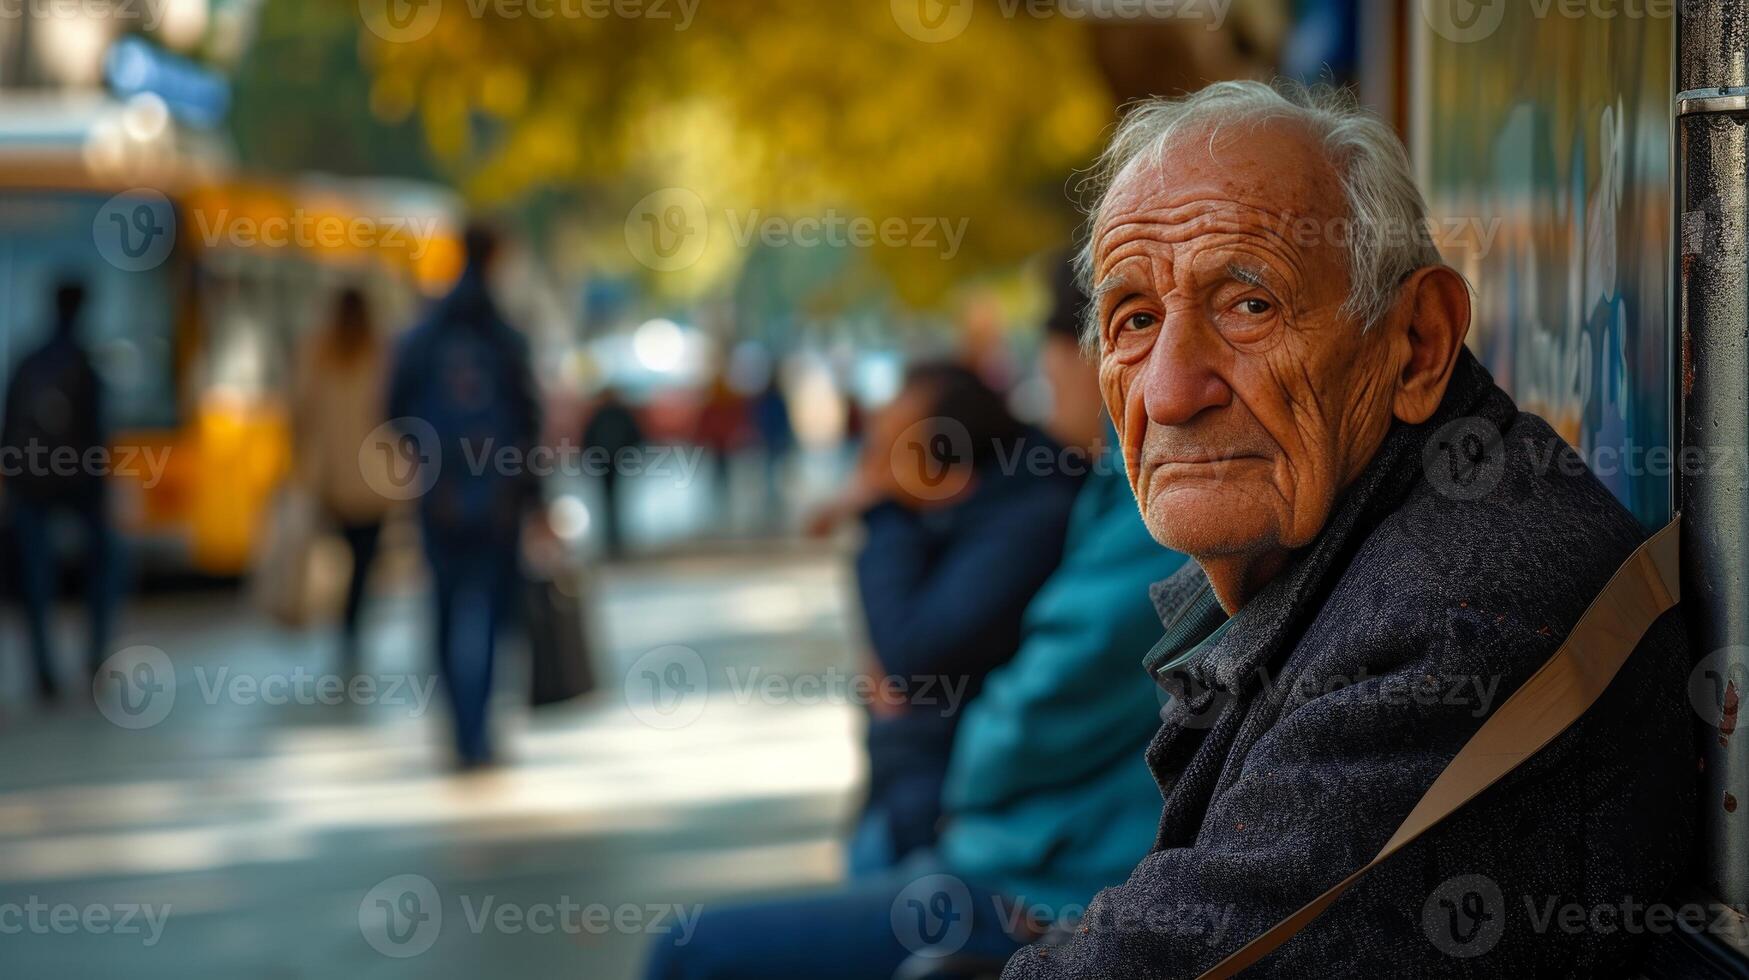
(1179, 228)
(1187, 220)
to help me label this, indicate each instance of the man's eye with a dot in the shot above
(1254, 306)
(1140, 321)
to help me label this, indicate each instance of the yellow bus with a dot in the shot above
(199, 283)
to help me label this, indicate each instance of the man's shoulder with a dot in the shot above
(1529, 533)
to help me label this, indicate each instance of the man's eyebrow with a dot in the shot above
(1110, 284)
(1250, 275)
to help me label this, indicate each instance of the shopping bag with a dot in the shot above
(558, 638)
(299, 572)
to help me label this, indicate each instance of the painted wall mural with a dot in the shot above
(1543, 143)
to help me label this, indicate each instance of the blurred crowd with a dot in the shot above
(1000, 563)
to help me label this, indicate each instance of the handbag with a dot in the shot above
(299, 572)
(560, 668)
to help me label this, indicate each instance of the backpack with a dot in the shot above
(52, 406)
(470, 398)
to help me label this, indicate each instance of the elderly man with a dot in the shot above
(1386, 548)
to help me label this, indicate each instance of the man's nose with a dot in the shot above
(1179, 378)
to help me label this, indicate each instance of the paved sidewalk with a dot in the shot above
(242, 838)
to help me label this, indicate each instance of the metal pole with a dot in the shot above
(1712, 147)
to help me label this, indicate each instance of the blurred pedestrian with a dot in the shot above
(722, 432)
(958, 537)
(777, 438)
(611, 432)
(337, 401)
(463, 387)
(54, 413)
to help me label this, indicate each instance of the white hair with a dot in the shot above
(1386, 228)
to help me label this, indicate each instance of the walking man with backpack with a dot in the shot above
(463, 393)
(53, 432)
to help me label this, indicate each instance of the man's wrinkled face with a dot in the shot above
(1244, 399)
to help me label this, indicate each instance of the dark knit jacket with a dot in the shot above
(1308, 728)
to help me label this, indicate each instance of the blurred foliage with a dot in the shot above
(763, 109)
(302, 99)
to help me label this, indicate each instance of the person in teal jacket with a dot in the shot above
(1045, 798)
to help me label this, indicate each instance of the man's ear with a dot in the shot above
(1438, 319)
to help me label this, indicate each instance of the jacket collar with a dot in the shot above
(1254, 634)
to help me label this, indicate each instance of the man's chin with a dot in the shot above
(1207, 520)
